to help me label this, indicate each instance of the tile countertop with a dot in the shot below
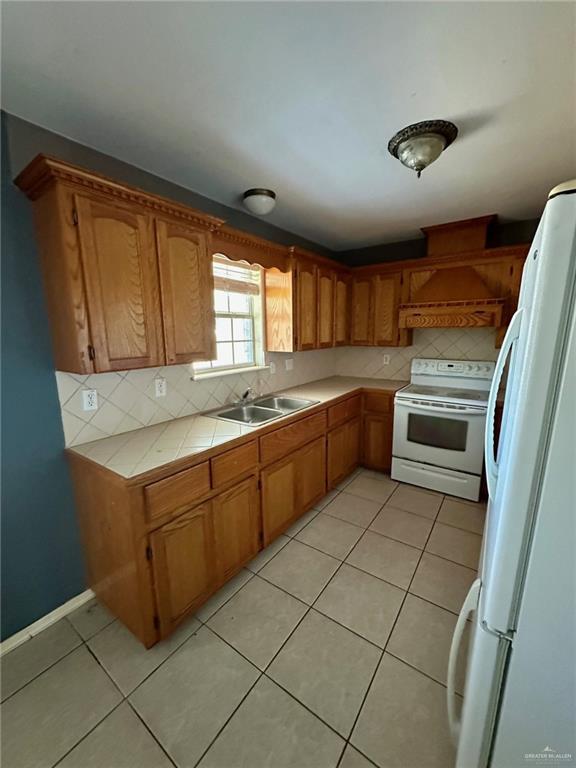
(133, 453)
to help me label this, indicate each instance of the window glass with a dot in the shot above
(239, 317)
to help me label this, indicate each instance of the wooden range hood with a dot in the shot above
(454, 296)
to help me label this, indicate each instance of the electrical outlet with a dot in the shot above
(385, 359)
(89, 400)
(160, 386)
(289, 364)
(272, 367)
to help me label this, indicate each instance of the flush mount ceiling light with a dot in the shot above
(259, 201)
(419, 144)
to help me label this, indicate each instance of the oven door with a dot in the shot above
(441, 434)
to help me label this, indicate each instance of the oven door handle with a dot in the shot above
(464, 411)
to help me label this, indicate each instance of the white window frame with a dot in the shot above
(254, 290)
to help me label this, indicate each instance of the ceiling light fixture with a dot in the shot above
(259, 201)
(419, 144)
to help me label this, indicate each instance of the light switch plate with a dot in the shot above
(272, 367)
(385, 359)
(89, 400)
(160, 386)
(289, 364)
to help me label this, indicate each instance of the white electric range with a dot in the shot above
(439, 423)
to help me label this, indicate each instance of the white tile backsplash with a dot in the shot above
(126, 399)
(446, 343)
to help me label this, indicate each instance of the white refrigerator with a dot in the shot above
(519, 704)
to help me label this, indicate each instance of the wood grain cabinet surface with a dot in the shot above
(185, 266)
(236, 527)
(127, 274)
(325, 335)
(159, 545)
(184, 564)
(341, 309)
(121, 277)
(307, 308)
(374, 311)
(291, 486)
(343, 445)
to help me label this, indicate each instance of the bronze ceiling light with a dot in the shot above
(419, 144)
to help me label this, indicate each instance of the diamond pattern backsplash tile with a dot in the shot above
(446, 343)
(126, 400)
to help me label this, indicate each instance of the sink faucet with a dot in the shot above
(248, 396)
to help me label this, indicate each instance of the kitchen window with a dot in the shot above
(239, 318)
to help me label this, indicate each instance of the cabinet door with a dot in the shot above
(236, 527)
(183, 561)
(343, 451)
(307, 306)
(325, 307)
(341, 302)
(278, 497)
(121, 274)
(378, 441)
(361, 330)
(310, 474)
(386, 292)
(353, 448)
(187, 292)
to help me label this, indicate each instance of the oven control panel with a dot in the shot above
(469, 369)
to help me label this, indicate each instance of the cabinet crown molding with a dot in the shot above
(43, 170)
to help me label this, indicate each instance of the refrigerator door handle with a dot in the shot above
(470, 605)
(491, 465)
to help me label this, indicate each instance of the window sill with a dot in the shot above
(201, 375)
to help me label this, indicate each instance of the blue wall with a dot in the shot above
(41, 555)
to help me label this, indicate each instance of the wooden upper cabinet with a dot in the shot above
(186, 281)
(110, 297)
(184, 564)
(325, 307)
(341, 309)
(121, 277)
(361, 327)
(386, 294)
(306, 302)
(279, 304)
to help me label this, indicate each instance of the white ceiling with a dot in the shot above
(302, 97)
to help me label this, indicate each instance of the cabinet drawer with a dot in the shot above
(177, 492)
(378, 402)
(286, 439)
(234, 463)
(344, 411)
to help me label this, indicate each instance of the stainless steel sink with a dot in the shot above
(286, 404)
(249, 414)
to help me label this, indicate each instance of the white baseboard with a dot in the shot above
(46, 621)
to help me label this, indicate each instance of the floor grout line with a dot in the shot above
(390, 635)
(309, 608)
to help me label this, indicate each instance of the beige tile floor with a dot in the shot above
(329, 650)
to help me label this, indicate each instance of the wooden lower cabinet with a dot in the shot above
(201, 549)
(343, 451)
(310, 474)
(184, 564)
(291, 486)
(236, 527)
(377, 452)
(278, 497)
